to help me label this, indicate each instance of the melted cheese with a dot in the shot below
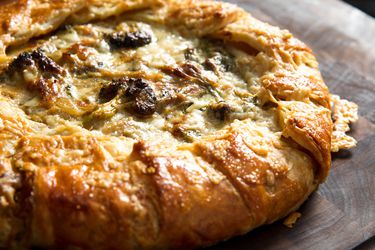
(89, 63)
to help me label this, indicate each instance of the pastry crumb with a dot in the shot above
(291, 220)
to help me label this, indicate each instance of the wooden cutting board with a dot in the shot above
(341, 214)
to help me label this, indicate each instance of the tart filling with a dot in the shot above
(132, 79)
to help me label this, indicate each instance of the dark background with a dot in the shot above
(367, 6)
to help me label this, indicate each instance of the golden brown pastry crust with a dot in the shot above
(100, 192)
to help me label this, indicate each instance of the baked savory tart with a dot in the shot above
(139, 124)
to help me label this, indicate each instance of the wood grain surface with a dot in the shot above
(341, 214)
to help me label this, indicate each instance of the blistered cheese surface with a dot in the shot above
(134, 80)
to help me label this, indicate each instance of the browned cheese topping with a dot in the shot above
(131, 79)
